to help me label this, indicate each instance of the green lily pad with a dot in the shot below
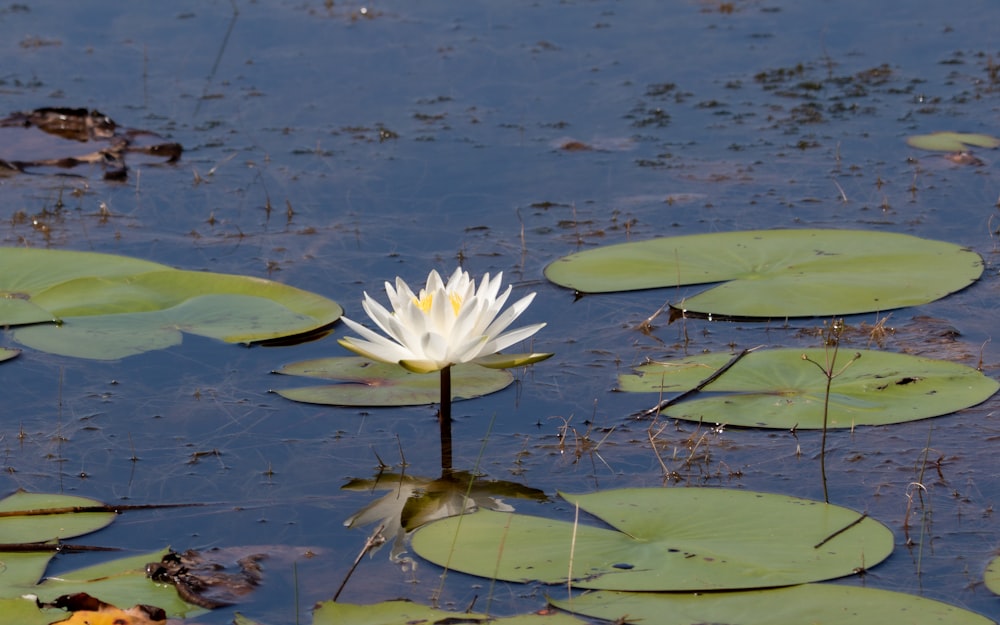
(778, 273)
(40, 518)
(43, 520)
(952, 141)
(21, 611)
(399, 611)
(28, 271)
(120, 582)
(992, 575)
(363, 382)
(664, 539)
(795, 605)
(6, 353)
(779, 389)
(110, 307)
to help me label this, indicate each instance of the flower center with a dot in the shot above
(425, 301)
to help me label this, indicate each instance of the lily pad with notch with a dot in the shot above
(781, 388)
(769, 274)
(794, 605)
(663, 539)
(102, 306)
(363, 382)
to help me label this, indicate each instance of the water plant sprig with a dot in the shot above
(445, 324)
(832, 342)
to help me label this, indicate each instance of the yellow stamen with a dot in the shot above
(424, 303)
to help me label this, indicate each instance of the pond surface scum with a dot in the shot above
(333, 146)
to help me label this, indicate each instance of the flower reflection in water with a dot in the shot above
(415, 501)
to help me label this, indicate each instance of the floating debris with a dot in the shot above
(24, 149)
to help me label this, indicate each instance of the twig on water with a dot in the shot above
(662, 405)
(375, 540)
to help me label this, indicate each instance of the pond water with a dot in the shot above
(335, 145)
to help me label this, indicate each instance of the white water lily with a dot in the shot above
(444, 325)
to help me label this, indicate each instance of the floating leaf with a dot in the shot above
(363, 382)
(39, 518)
(21, 611)
(122, 582)
(779, 389)
(7, 353)
(992, 575)
(952, 141)
(664, 539)
(795, 605)
(28, 272)
(399, 611)
(779, 273)
(110, 307)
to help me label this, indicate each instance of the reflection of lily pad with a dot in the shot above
(796, 605)
(399, 611)
(110, 306)
(779, 273)
(362, 382)
(952, 141)
(664, 539)
(779, 389)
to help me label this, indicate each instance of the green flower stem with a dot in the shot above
(444, 420)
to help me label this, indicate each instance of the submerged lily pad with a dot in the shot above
(778, 273)
(664, 539)
(778, 388)
(795, 605)
(362, 382)
(952, 141)
(102, 306)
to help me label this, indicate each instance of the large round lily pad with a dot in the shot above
(779, 273)
(664, 539)
(400, 611)
(363, 382)
(107, 307)
(778, 388)
(27, 272)
(795, 605)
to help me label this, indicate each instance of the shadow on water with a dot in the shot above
(333, 146)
